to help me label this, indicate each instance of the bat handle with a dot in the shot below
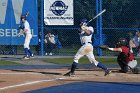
(27, 13)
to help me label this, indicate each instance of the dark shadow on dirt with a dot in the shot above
(53, 73)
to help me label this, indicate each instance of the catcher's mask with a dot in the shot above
(121, 42)
(83, 22)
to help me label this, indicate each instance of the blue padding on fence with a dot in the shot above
(97, 38)
(92, 87)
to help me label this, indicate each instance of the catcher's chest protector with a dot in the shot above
(122, 57)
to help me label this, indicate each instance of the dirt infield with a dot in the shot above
(22, 80)
(35, 74)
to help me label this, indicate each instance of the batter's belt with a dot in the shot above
(87, 42)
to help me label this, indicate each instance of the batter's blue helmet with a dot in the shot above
(84, 20)
(23, 17)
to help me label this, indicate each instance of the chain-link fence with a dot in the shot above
(68, 42)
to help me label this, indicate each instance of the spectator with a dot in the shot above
(135, 43)
(57, 42)
(49, 43)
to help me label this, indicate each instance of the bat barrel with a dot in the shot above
(96, 16)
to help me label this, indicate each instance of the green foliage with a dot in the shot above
(125, 11)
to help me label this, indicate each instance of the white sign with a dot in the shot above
(58, 12)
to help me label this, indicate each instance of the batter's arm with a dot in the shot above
(86, 30)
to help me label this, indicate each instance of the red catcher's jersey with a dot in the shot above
(125, 50)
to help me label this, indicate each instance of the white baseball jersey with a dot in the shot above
(27, 27)
(86, 38)
(28, 34)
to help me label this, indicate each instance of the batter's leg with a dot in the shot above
(30, 52)
(26, 45)
(98, 64)
(75, 63)
(26, 52)
(73, 67)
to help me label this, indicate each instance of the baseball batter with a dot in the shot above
(85, 33)
(27, 32)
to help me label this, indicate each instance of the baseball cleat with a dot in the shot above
(69, 74)
(26, 57)
(32, 56)
(107, 72)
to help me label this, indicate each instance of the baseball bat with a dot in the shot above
(96, 16)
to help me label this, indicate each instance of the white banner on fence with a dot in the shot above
(58, 12)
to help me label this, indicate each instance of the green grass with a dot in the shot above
(69, 60)
(3, 62)
(83, 60)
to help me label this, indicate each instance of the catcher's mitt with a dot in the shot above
(104, 46)
(136, 70)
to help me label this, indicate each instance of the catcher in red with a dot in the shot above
(125, 58)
